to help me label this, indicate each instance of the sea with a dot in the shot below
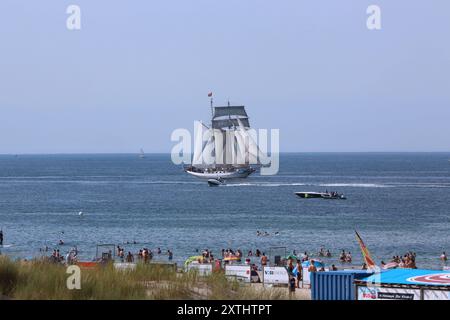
(398, 202)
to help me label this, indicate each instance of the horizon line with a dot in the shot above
(168, 153)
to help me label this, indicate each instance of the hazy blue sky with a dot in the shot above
(139, 69)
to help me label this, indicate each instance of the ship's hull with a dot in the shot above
(236, 174)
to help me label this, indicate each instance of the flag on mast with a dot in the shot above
(365, 252)
(210, 94)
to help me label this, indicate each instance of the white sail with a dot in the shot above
(242, 147)
(254, 153)
(198, 144)
(208, 153)
(219, 144)
(230, 153)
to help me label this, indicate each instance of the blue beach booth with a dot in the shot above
(335, 285)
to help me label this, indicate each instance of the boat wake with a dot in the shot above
(265, 184)
(343, 185)
(355, 185)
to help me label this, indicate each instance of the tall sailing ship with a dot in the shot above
(227, 148)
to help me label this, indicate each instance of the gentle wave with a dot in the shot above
(231, 184)
(355, 185)
(97, 182)
(346, 185)
(265, 184)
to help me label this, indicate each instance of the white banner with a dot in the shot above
(306, 276)
(436, 295)
(242, 272)
(275, 275)
(124, 266)
(202, 269)
(379, 293)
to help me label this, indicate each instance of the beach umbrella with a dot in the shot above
(293, 257)
(317, 264)
(192, 259)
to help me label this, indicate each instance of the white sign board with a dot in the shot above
(275, 275)
(202, 269)
(242, 272)
(306, 276)
(379, 293)
(436, 295)
(124, 266)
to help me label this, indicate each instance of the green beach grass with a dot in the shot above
(41, 280)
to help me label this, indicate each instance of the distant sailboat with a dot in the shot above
(142, 154)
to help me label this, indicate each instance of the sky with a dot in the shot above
(137, 70)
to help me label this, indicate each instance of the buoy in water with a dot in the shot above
(80, 213)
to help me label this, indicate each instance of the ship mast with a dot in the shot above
(229, 114)
(212, 110)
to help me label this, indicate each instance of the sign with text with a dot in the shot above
(275, 275)
(380, 293)
(202, 269)
(238, 271)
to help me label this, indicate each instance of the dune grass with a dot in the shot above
(39, 280)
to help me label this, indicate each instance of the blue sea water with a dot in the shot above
(397, 202)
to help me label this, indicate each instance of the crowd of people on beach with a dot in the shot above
(229, 255)
(324, 253)
(345, 257)
(407, 261)
(145, 254)
(69, 258)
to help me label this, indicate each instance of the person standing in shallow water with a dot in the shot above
(1, 237)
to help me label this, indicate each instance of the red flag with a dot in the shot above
(365, 252)
(210, 94)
